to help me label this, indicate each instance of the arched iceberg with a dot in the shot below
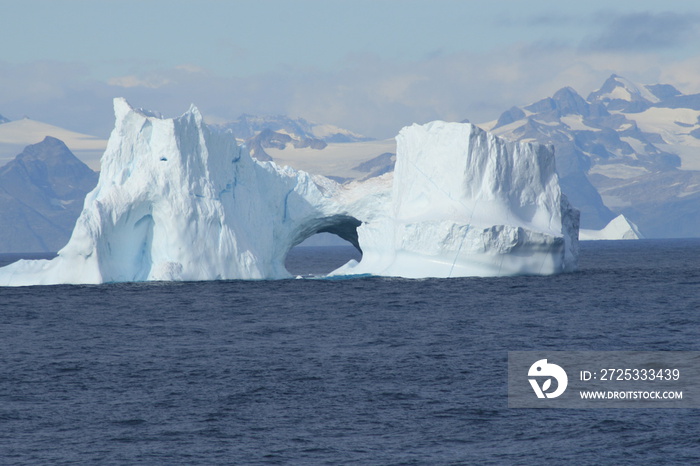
(176, 201)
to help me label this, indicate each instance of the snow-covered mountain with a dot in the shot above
(41, 196)
(268, 139)
(16, 135)
(262, 133)
(324, 149)
(626, 149)
(3, 120)
(246, 126)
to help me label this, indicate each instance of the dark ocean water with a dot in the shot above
(353, 371)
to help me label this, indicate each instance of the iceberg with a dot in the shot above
(467, 203)
(619, 228)
(176, 201)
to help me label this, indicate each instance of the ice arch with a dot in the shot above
(332, 243)
(176, 201)
(343, 226)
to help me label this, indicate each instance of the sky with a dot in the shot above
(368, 66)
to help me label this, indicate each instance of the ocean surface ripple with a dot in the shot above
(355, 371)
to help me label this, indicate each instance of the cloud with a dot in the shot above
(367, 94)
(641, 32)
(549, 20)
(152, 82)
(190, 68)
(158, 78)
(58, 93)
(685, 75)
(39, 80)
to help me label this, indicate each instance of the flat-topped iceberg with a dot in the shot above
(176, 201)
(467, 203)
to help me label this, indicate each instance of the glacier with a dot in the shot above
(176, 201)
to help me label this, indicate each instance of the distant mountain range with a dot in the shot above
(277, 131)
(246, 126)
(625, 149)
(41, 196)
(18, 134)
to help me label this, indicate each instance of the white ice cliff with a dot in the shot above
(467, 203)
(175, 201)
